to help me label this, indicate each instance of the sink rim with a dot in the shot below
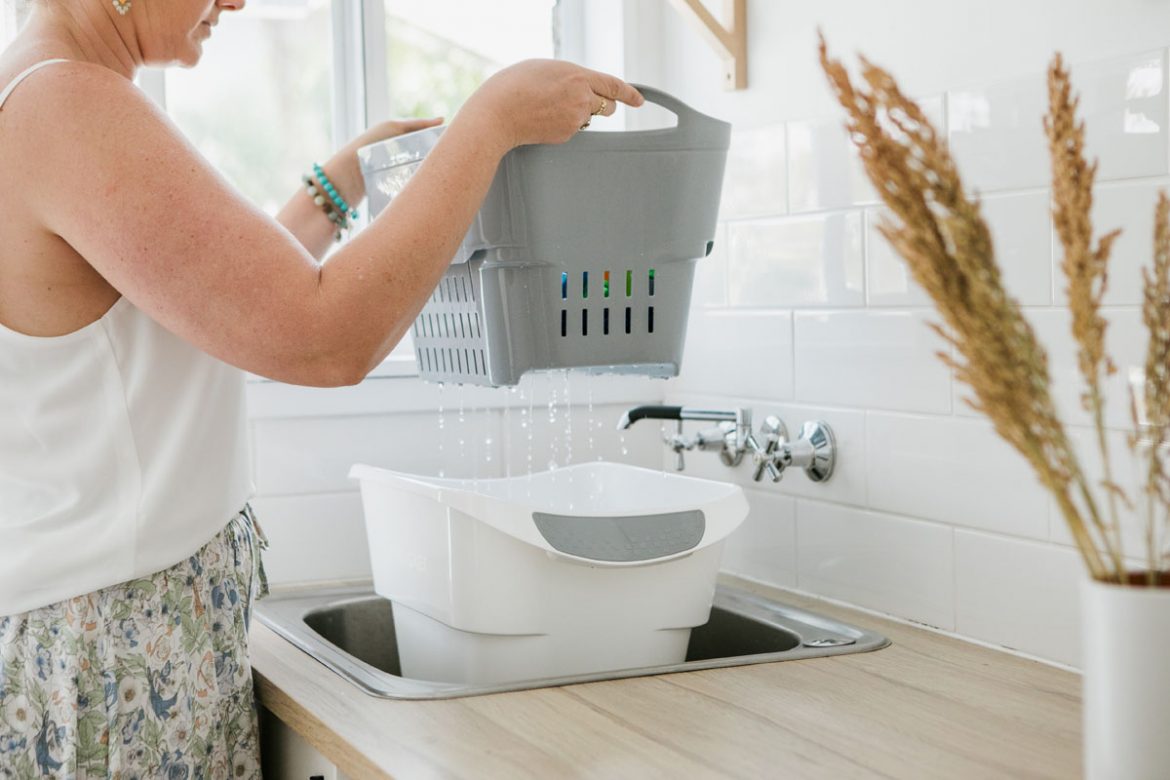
(284, 613)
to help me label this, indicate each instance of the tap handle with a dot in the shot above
(775, 432)
(762, 456)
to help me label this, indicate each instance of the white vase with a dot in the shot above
(1126, 633)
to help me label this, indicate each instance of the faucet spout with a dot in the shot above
(632, 416)
(681, 413)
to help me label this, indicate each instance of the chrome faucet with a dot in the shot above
(730, 437)
(815, 451)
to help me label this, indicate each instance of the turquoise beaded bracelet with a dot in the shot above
(331, 191)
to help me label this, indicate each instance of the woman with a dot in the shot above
(135, 288)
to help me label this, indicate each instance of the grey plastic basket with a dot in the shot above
(581, 256)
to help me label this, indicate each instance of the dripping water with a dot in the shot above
(462, 432)
(507, 454)
(569, 433)
(589, 416)
(552, 421)
(568, 423)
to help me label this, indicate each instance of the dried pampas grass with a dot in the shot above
(941, 234)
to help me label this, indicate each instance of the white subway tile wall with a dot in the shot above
(1125, 471)
(750, 351)
(803, 311)
(1021, 229)
(877, 561)
(1018, 594)
(996, 135)
(887, 279)
(770, 262)
(319, 536)
(823, 169)
(878, 358)
(932, 517)
(1129, 206)
(764, 547)
(755, 163)
(956, 471)
(1124, 339)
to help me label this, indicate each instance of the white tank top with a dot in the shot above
(123, 450)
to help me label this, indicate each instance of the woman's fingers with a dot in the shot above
(608, 91)
(614, 90)
(402, 126)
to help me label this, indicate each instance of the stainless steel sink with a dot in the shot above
(351, 631)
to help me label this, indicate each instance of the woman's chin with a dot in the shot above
(190, 58)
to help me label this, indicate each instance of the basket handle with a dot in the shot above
(692, 124)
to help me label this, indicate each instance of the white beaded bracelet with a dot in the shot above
(338, 219)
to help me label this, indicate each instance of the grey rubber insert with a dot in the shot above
(632, 538)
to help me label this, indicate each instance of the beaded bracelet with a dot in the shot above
(338, 201)
(337, 218)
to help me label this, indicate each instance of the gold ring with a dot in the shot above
(582, 127)
(601, 108)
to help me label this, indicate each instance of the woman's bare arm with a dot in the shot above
(147, 212)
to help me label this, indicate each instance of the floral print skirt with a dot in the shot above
(145, 679)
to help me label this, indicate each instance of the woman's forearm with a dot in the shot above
(383, 276)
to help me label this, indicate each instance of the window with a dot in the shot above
(437, 53)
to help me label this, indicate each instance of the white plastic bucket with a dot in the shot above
(481, 594)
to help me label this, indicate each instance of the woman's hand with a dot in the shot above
(391, 129)
(545, 101)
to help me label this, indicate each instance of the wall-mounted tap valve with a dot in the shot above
(815, 451)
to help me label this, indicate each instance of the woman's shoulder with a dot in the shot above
(62, 80)
(67, 109)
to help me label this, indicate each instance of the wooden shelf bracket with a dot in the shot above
(730, 42)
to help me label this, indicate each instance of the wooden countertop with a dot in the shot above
(927, 706)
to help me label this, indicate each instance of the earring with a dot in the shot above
(122, 6)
